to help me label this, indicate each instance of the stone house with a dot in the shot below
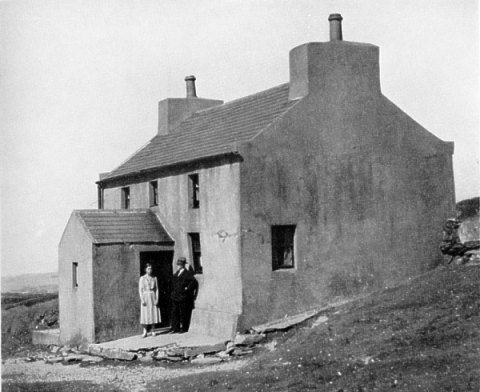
(314, 190)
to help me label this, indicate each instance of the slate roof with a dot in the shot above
(209, 132)
(120, 226)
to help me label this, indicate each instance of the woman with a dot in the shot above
(148, 290)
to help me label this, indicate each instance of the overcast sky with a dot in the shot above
(80, 82)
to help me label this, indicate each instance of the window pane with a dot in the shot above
(154, 193)
(196, 253)
(126, 198)
(283, 247)
(194, 191)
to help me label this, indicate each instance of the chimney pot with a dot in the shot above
(191, 91)
(335, 27)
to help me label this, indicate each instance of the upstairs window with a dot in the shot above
(282, 247)
(126, 198)
(154, 193)
(196, 252)
(75, 275)
(193, 191)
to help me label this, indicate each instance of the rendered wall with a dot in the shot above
(75, 303)
(116, 271)
(367, 187)
(217, 220)
(139, 196)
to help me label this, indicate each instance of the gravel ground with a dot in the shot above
(121, 377)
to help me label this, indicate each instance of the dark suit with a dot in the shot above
(182, 284)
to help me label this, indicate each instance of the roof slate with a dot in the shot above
(210, 132)
(121, 226)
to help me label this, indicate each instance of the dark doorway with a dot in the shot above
(161, 262)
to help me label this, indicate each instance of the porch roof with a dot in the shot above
(123, 226)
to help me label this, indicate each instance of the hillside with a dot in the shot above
(421, 336)
(31, 283)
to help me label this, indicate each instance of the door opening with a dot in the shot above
(161, 262)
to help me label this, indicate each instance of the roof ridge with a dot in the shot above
(209, 132)
(245, 98)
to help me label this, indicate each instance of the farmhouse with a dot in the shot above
(314, 190)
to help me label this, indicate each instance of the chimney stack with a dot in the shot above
(191, 91)
(335, 27)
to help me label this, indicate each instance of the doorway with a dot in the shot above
(161, 262)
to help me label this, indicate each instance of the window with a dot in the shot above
(75, 275)
(282, 247)
(154, 193)
(193, 191)
(126, 198)
(195, 252)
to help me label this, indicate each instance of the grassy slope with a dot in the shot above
(18, 323)
(421, 336)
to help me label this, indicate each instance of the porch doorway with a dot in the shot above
(161, 262)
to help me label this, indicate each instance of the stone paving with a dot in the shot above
(162, 339)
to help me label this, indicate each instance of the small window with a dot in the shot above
(282, 247)
(196, 252)
(75, 275)
(126, 198)
(194, 191)
(154, 193)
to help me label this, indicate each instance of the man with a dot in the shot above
(182, 284)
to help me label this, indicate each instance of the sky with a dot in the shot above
(80, 82)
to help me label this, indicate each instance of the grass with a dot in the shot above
(421, 336)
(23, 313)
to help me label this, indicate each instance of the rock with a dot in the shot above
(146, 358)
(271, 345)
(73, 358)
(230, 347)
(193, 352)
(53, 359)
(83, 347)
(223, 354)
(160, 355)
(90, 359)
(95, 349)
(66, 350)
(248, 340)
(239, 352)
(174, 359)
(206, 360)
(319, 320)
(285, 323)
(116, 353)
(55, 349)
(175, 352)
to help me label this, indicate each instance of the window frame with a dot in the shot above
(283, 238)
(125, 198)
(75, 274)
(193, 191)
(153, 191)
(195, 255)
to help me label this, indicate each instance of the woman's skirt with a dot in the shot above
(149, 314)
